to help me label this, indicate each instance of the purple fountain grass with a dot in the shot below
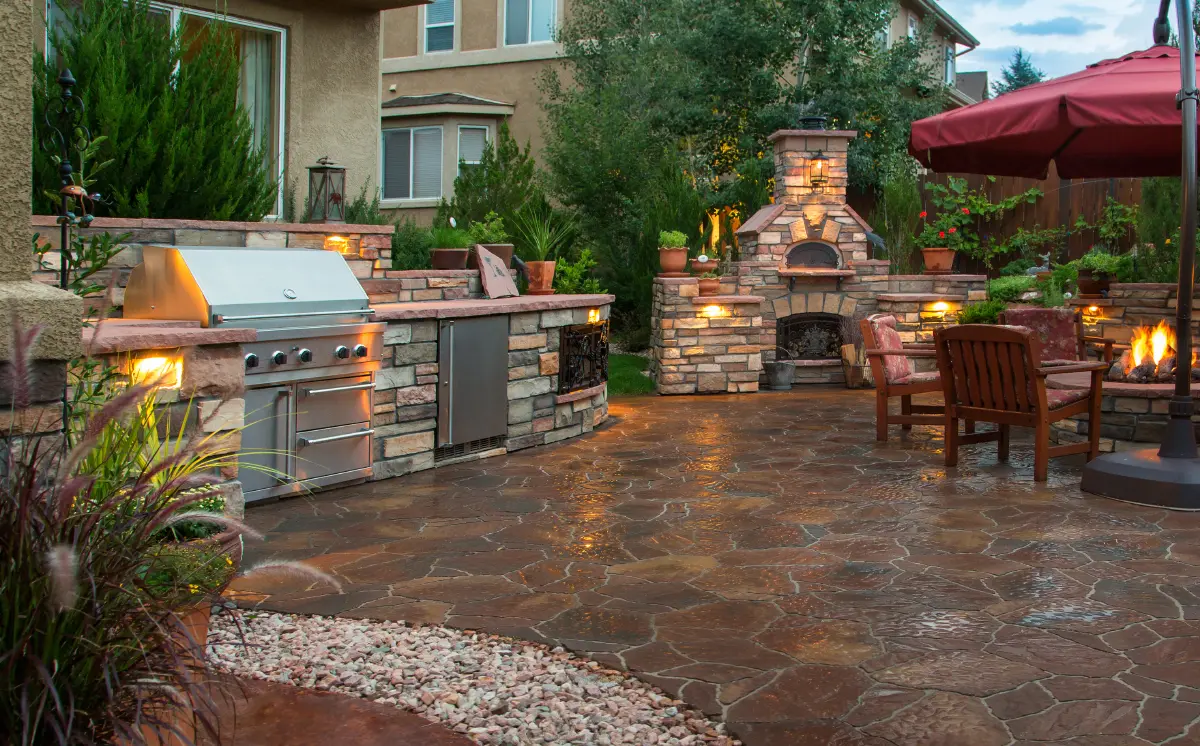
(293, 569)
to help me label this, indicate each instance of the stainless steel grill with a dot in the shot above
(310, 376)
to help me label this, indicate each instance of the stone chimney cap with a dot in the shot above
(780, 134)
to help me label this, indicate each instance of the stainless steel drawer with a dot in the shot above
(332, 402)
(333, 450)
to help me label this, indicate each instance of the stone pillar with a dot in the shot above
(57, 312)
(794, 150)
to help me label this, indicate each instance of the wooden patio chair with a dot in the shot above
(892, 368)
(991, 374)
(1060, 333)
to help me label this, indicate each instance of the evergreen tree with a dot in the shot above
(502, 182)
(1019, 73)
(165, 103)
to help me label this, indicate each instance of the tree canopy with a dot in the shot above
(1019, 73)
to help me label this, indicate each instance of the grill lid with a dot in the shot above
(260, 288)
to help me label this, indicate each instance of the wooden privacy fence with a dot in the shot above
(1063, 201)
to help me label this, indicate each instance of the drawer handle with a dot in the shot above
(339, 389)
(301, 442)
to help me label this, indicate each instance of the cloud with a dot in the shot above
(1061, 26)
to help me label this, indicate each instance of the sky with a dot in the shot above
(1061, 36)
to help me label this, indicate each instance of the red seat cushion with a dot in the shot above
(1059, 398)
(929, 377)
(1055, 330)
(895, 367)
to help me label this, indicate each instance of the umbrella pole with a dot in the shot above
(1170, 476)
(1179, 440)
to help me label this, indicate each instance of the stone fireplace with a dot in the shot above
(804, 273)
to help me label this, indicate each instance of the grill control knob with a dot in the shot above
(306, 355)
(360, 350)
(341, 352)
(279, 358)
(252, 360)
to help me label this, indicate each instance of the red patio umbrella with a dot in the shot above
(1116, 118)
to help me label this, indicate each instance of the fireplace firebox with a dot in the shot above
(809, 336)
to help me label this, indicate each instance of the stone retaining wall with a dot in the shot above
(405, 417)
(424, 284)
(1126, 423)
(1130, 305)
(709, 345)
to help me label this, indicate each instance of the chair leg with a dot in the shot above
(1004, 431)
(969, 427)
(951, 440)
(1094, 429)
(1041, 451)
(906, 408)
(881, 416)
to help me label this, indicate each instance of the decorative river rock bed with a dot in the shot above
(495, 690)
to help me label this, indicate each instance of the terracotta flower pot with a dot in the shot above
(541, 278)
(710, 285)
(938, 261)
(189, 640)
(673, 262)
(700, 267)
(1093, 284)
(448, 258)
(503, 252)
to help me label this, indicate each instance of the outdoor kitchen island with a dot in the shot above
(472, 378)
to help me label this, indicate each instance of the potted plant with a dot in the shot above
(939, 240)
(710, 283)
(960, 211)
(1098, 269)
(450, 247)
(672, 253)
(542, 236)
(702, 263)
(491, 235)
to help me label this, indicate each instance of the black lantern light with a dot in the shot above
(818, 172)
(326, 192)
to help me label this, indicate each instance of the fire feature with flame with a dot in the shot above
(1150, 357)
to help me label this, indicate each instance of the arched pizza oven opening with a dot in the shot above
(813, 254)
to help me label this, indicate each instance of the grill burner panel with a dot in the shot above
(809, 336)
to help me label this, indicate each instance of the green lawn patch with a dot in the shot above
(625, 377)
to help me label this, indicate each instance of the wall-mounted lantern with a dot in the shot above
(818, 172)
(326, 192)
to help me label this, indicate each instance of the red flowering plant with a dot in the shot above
(960, 213)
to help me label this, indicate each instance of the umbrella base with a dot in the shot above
(1143, 478)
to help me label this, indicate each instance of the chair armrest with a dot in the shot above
(1073, 368)
(902, 353)
(1100, 341)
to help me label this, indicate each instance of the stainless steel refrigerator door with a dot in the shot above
(263, 463)
(472, 379)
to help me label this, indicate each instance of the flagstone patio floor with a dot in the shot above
(765, 559)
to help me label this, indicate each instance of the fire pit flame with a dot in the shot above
(1150, 357)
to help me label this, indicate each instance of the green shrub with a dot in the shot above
(895, 217)
(364, 208)
(1159, 216)
(489, 230)
(1017, 268)
(984, 312)
(445, 237)
(1101, 262)
(576, 277)
(672, 239)
(1010, 289)
(410, 246)
(504, 181)
(162, 106)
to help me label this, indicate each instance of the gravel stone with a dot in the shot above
(493, 689)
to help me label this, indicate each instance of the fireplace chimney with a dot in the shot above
(802, 154)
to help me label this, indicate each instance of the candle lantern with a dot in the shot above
(818, 172)
(326, 192)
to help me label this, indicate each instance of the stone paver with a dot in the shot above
(764, 558)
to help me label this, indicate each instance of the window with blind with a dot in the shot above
(439, 26)
(950, 65)
(471, 142)
(412, 163)
(529, 21)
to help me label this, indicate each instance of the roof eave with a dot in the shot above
(961, 35)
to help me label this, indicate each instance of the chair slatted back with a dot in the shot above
(991, 367)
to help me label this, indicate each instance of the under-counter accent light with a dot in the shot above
(593, 315)
(941, 306)
(160, 371)
(713, 312)
(1093, 309)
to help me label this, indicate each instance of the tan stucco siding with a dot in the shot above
(480, 24)
(400, 37)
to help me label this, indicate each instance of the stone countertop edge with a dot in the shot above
(110, 339)
(457, 309)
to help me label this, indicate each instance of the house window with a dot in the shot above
(471, 142)
(439, 26)
(914, 26)
(950, 65)
(261, 50)
(412, 163)
(529, 21)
